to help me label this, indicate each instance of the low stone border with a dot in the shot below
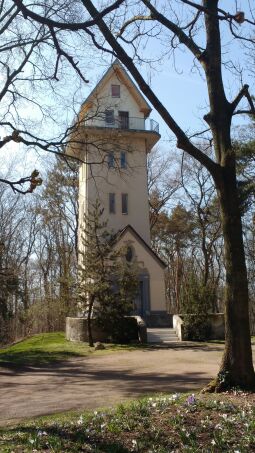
(76, 330)
(217, 322)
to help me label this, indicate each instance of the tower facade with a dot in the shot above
(113, 136)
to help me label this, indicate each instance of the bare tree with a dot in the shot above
(18, 228)
(32, 61)
(118, 29)
(200, 191)
(163, 182)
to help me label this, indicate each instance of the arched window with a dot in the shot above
(129, 254)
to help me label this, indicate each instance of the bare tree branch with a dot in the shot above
(244, 92)
(64, 25)
(183, 38)
(33, 180)
(60, 52)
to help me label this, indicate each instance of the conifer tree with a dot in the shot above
(107, 283)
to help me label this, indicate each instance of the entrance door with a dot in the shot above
(124, 120)
(142, 302)
(138, 303)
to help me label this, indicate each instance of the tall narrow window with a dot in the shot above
(115, 89)
(124, 203)
(112, 203)
(123, 120)
(111, 160)
(123, 160)
(109, 116)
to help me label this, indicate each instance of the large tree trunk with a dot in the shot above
(236, 368)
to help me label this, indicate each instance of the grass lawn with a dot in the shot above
(164, 424)
(52, 347)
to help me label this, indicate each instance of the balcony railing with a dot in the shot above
(124, 122)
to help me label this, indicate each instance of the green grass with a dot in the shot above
(163, 424)
(52, 347)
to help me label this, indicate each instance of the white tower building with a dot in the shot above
(113, 136)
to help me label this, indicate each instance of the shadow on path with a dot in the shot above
(93, 382)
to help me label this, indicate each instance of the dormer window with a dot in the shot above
(115, 90)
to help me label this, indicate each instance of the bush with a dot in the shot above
(125, 331)
(197, 300)
(196, 327)
(122, 330)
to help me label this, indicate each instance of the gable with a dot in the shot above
(130, 97)
(144, 253)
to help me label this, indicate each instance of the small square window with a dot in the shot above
(124, 203)
(115, 91)
(123, 160)
(112, 203)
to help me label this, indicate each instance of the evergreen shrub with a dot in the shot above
(197, 300)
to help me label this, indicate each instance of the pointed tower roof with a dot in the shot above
(118, 69)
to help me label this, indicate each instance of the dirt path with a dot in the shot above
(100, 381)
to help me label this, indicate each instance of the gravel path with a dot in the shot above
(99, 381)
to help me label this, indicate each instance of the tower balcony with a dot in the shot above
(124, 123)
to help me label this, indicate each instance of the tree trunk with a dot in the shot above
(236, 369)
(89, 331)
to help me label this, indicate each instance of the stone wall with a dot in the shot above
(217, 326)
(76, 330)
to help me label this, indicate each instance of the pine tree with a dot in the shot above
(107, 283)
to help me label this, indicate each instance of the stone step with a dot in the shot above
(166, 335)
(153, 335)
(161, 333)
